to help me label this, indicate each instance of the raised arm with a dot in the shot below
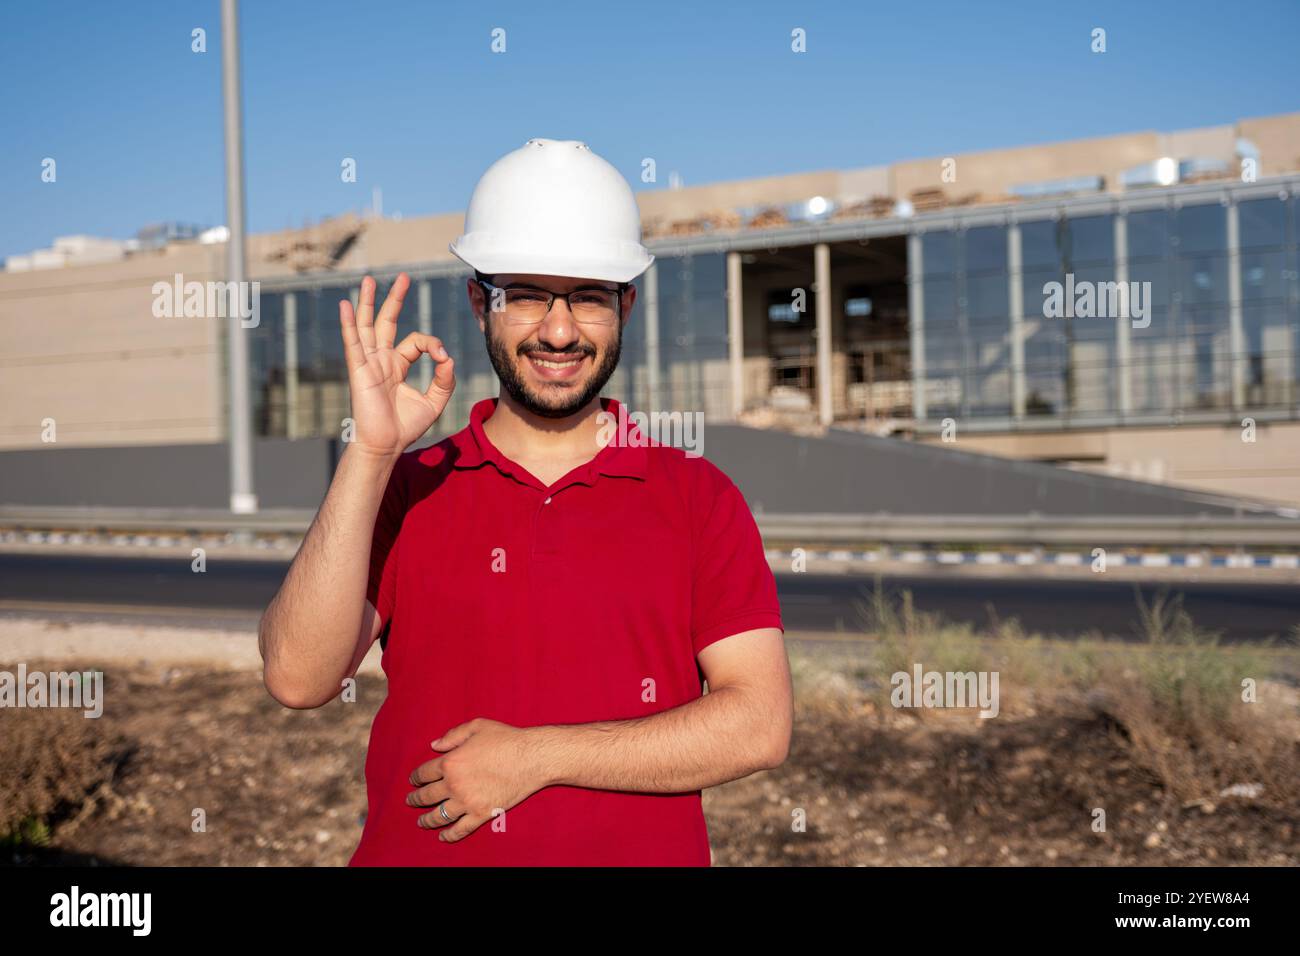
(319, 626)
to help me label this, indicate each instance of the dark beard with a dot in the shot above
(570, 402)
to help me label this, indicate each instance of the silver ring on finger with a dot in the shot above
(442, 808)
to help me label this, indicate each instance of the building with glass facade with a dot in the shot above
(1191, 314)
(1123, 304)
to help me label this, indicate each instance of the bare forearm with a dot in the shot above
(721, 736)
(310, 631)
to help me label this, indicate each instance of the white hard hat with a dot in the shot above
(553, 207)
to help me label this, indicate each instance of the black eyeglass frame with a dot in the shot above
(622, 287)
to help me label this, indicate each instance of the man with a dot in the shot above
(548, 599)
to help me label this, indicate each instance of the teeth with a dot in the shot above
(545, 364)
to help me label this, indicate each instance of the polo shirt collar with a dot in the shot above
(625, 458)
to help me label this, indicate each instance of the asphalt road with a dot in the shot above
(238, 590)
(1248, 611)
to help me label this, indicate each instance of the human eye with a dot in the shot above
(525, 296)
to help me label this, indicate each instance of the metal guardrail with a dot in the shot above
(1101, 530)
(1031, 529)
(172, 520)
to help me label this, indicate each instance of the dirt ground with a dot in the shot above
(286, 788)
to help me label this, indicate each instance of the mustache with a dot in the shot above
(577, 349)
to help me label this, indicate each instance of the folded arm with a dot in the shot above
(743, 724)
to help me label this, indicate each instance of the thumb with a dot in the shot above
(453, 738)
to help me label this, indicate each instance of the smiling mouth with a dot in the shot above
(547, 363)
(561, 368)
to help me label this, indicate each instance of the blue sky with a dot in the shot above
(412, 91)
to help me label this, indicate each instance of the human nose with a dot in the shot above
(558, 328)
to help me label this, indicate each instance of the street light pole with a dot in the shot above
(242, 498)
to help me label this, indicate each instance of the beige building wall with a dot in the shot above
(1278, 140)
(81, 346)
(1213, 142)
(1211, 458)
(990, 175)
(689, 201)
(865, 183)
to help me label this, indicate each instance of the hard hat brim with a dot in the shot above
(623, 268)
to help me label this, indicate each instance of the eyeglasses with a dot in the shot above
(528, 305)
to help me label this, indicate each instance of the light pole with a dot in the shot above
(242, 498)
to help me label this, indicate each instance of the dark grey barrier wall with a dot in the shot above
(287, 474)
(843, 472)
(851, 473)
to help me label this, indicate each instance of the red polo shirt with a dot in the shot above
(584, 601)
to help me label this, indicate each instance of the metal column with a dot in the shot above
(1236, 331)
(736, 334)
(242, 498)
(1016, 301)
(916, 322)
(291, 364)
(424, 321)
(653, 371)
(822, 287)
(1123, 321)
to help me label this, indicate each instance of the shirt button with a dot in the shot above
(547, 501)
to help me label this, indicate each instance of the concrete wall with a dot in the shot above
(841, 472)
(1278, 141)
(287, 474)
(990, 174)
(1209, 458)
(81, 346)
(690, 201)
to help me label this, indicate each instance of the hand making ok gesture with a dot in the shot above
(389, 414)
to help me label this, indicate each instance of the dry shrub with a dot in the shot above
(51, 760)
(908, 637)
(1175, 700)
(1179, 703)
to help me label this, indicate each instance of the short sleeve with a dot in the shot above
(381, 588)
(734, 590)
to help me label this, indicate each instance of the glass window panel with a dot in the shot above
(1156, 273)
(940, 301)
(1202, 229)
(266, 367)
(1148, 234)
(1263, 276)
(1039, 248)
(1092, 240)
(693, 334)
(986, 249)
(1203, 279)
(938, 252)
(1262, 223)
(986, 297)
(1033, 294)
